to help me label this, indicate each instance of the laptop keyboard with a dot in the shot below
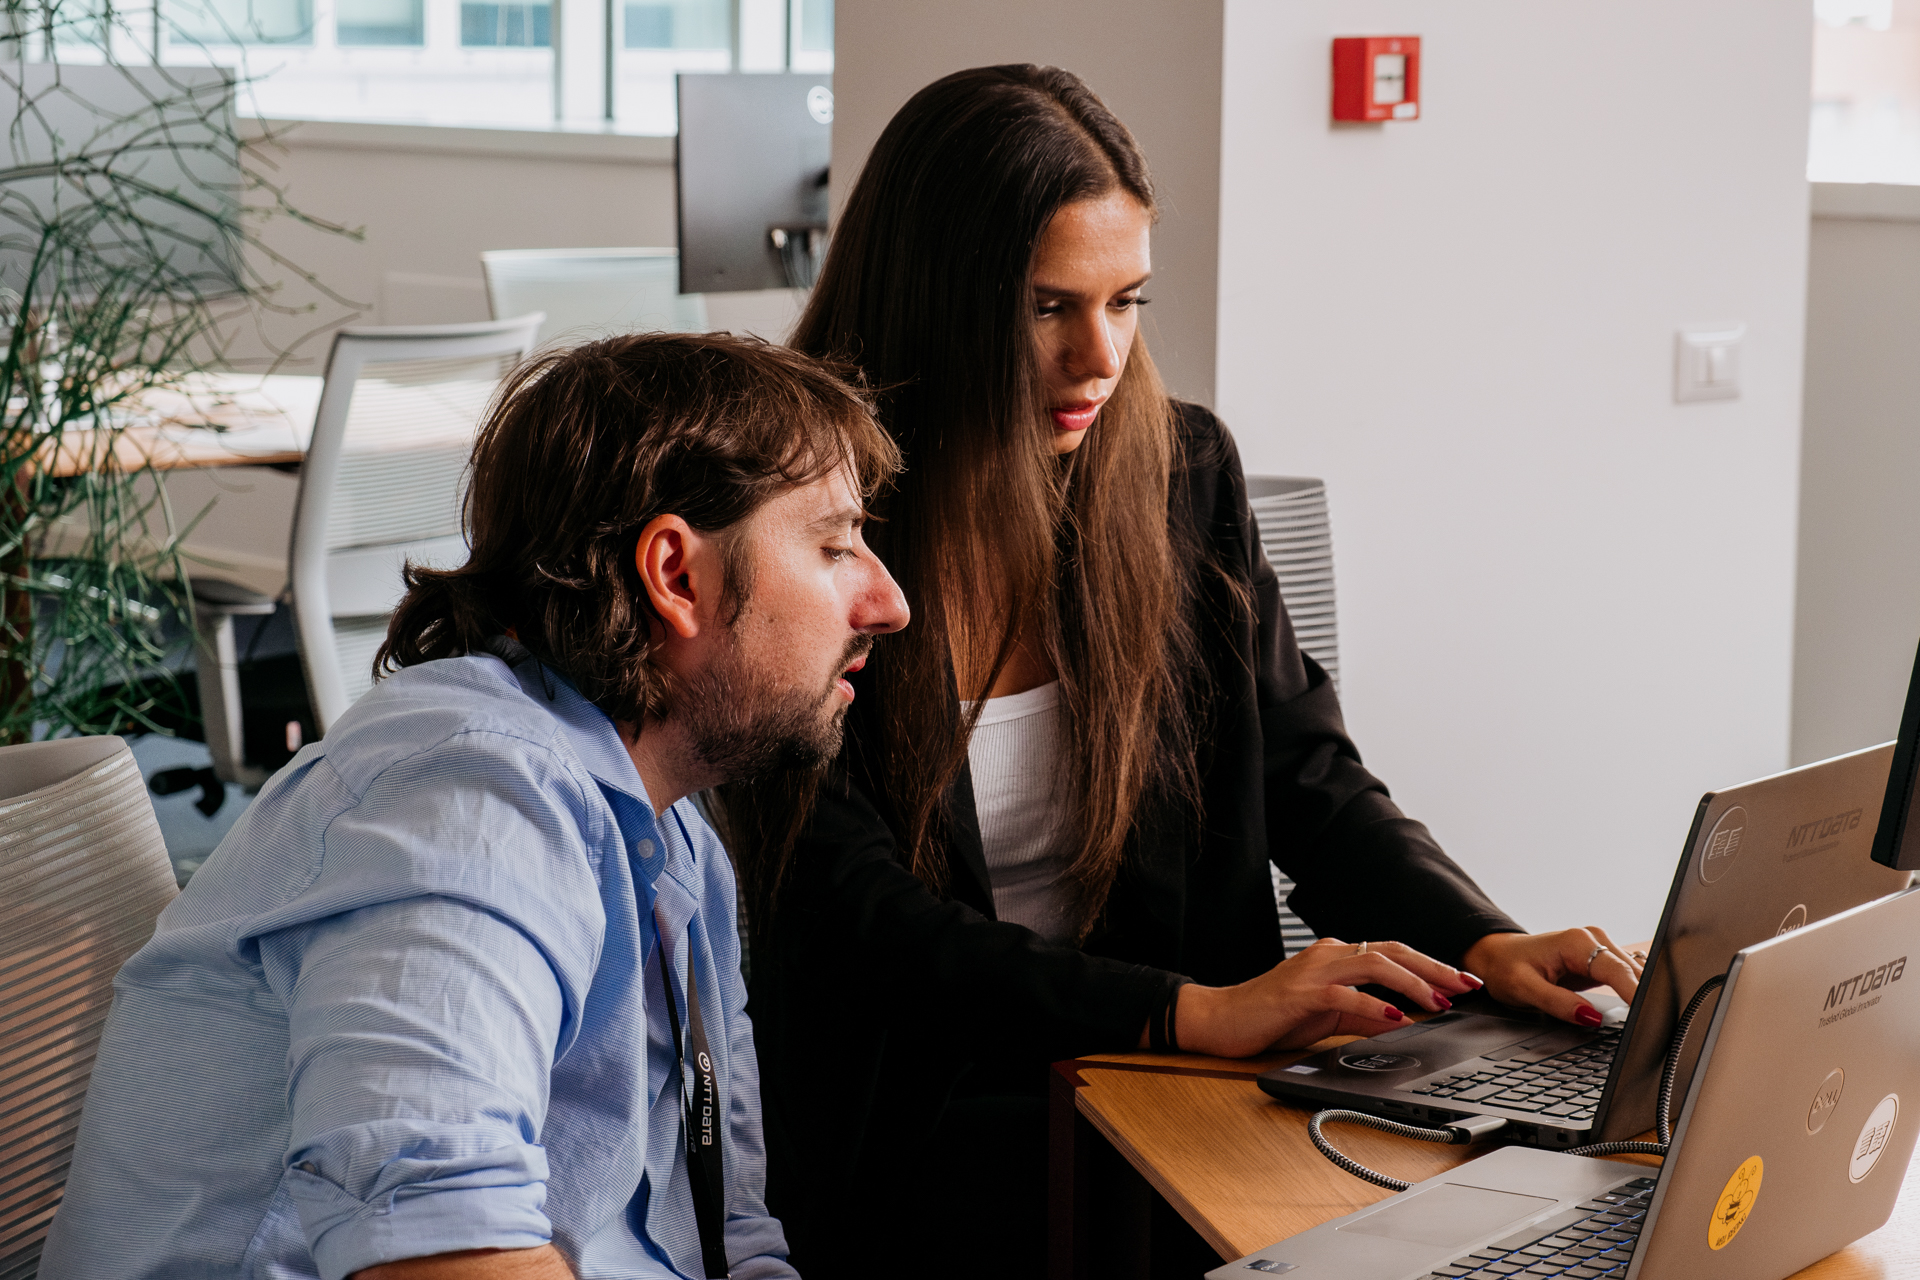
(1595, 1240)
(1566, 1086)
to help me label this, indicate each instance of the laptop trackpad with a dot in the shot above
(1448, 1215)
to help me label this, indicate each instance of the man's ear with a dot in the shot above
(679, 570)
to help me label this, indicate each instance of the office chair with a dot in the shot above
(593, 293)
(1291, 515)
(381, 485)
(83, 875)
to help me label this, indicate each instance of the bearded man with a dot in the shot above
(460, 996)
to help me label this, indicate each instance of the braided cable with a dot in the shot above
(1663, 1110)
(1354, 1167)
(1619, 1149)
(1663, 1116)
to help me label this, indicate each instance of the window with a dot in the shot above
(678, 24)
(242, 21)
(487, 62)
(812, 27)
(378, 22)
(526, 26)
(1866, 92)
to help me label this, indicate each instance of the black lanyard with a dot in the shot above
(700, 1118)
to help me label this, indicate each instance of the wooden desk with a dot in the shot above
(1239, 1167)
(212, 420)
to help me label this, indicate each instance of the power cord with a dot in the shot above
(1663, 1110)
(1460, 1132)
(1457, 1134)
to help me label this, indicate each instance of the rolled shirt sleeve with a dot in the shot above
(421, 1041)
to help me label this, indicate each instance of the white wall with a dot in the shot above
(1156, 65)
(429, 199)
(1566, 602)
(1859, 601)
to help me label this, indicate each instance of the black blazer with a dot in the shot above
(874, 1000)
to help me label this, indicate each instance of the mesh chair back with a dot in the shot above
(83, 874)
(1297, 537)
(382, 484)
(593, 293)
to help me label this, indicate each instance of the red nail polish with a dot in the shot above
(1587, 1016)
(1470, 978)
(1444, 1003)
(1391, 1014)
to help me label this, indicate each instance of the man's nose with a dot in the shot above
(881, 607)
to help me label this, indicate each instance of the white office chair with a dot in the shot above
(1291, 515)
(593, 293)
(381, 484)
(83, 874)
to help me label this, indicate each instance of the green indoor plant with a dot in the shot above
(130, 258)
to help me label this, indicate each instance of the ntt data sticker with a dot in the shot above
(1735, 1203)
(1874, 1136)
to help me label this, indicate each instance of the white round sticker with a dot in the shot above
(820, 103)
(1875, 1135)
(1723, 845)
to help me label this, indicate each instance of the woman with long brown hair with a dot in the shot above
(1050, 829)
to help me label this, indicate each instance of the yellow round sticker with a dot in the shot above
(1735, 1203)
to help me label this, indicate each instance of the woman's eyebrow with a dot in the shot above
(1055, 291)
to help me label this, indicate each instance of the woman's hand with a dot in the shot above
(1311, 995)
(1544, 970)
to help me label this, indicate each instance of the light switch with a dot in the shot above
(1706, 363)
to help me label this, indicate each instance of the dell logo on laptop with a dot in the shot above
(1826, 1100)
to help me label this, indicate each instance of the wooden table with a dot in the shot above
(211, 420)
(1239, 1167)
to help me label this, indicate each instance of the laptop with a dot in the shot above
(1793, 1142)
(1762, 858)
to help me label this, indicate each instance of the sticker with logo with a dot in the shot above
(1735, 1203)
(1723, 845)
(1874, 1137)
(1379, 1061)
(1826, 1100)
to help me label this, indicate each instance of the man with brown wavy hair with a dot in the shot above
(461, 995)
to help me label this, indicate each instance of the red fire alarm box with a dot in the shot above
(1376, 78)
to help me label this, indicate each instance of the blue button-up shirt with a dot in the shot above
(413, 1004)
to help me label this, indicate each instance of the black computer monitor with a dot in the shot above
(752, 171)
(1897, 843)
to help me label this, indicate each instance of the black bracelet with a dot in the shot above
(1162, 1027)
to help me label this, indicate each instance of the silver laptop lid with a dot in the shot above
(1762, 858)
(1795, 1139)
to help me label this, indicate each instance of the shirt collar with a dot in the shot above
(596, 742)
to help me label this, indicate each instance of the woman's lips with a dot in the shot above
(1076, 417)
